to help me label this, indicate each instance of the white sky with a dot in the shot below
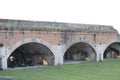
(104, 12)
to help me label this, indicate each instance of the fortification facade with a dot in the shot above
(28, 43)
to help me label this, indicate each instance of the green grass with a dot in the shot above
(106, 70)
(45, 27)
(37, 27)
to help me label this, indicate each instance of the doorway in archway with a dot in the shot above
(30, 54)
(112, 51)
(80, 52)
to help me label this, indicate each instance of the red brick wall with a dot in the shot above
(54, 37)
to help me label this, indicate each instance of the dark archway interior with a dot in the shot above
(80, 52)
(112, 51)
(31, 54)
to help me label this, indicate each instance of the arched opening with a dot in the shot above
(80, 52)
(30, 54)
(112, 51)
(1, 44)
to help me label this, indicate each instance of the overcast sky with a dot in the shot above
(103, 12)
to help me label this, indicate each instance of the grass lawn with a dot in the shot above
(106, 70)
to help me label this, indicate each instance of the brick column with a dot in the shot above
(100, 52)
(4, 53)
(58, 54)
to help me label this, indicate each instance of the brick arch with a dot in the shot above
(78, 40)
(108, 44)
(29, 40)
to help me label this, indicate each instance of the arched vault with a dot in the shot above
(30, 49)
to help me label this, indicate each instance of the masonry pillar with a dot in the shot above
(100, 52)
(3, 58)
(97, 57)
(58, 54)
(0, 59)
